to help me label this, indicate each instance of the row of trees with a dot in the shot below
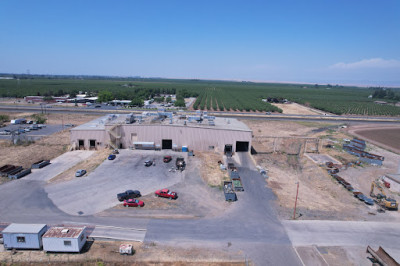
(140, 95)
(382, 93)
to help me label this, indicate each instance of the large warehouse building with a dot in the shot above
(163, 130)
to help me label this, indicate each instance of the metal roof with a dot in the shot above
(24, 228)
(64, 232)
(147, 119)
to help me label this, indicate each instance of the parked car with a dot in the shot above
(97, 106)
(369, 201)
(80, 173)
(165, 193)
(111, 157)
(148, 163)
(361, 197)
(129, 194)
(133, 203)
(167, 159)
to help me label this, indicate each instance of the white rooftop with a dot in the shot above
(24, 228)
(151, 118)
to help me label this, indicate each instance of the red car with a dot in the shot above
(165, 193)
(167, 159)
(133, 203)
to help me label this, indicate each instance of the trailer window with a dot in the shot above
(20, 239)
(67, 243)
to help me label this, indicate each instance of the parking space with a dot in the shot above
(97, 191)
(27, 131)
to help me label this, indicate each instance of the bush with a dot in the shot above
(4, 118)
(39, 118)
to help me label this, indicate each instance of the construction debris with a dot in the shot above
(357, 147)
(382, 257)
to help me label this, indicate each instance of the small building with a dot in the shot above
(64, 239)
(24, 236)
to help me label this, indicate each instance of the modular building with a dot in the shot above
(162, 130)
(23, 236)
(64, 239)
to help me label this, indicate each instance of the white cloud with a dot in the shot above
(368, 63)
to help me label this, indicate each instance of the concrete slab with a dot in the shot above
(98, 191)
(321, 158)
(343, 233)
(310, 256)
(119, 233)
(59, 165)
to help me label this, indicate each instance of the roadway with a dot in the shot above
(242, 115)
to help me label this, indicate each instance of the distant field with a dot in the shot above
(215, 95)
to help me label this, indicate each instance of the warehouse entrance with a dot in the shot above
(167, 144)
(242, 146)
(81, 144)
(228, 150)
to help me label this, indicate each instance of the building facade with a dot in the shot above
(165, 133)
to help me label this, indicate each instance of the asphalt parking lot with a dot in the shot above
(34, 134)
(98, 191)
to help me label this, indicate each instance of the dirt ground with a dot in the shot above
(320, 196)
(387, 136)
(297, 109)
(106, 253)
(46, 148)
(210, 170)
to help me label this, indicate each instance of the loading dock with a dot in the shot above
(167, 144)
(81, 144)
(92, 144)
(242, 146)
(228, 150)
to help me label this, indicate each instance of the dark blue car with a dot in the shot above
(112, 157)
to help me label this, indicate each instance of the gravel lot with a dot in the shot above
(98, 190)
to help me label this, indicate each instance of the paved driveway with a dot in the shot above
(59, 165)
(97, 192)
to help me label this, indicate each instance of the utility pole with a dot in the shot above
(295, 203)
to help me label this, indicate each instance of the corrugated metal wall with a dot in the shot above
(32, 241)
(56, 244)
(98, 135)
(193, 137)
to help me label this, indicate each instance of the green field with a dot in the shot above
(212, 95)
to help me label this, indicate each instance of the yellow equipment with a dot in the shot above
(388, 203)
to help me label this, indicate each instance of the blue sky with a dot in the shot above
(316, 41)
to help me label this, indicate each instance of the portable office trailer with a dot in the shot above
(23, 236)
(64, 239)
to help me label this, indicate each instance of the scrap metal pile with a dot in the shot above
(357, 147)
